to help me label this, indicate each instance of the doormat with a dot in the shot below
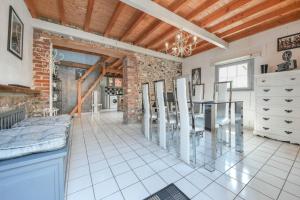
(171, 192)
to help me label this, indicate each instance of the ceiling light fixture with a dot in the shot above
(183, 45)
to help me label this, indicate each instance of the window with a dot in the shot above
(241, 74)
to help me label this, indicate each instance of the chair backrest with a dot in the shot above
(223, 93)
(146, 98)
(198, 95)
(165, 102)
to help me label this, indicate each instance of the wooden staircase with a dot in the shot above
(80, 98)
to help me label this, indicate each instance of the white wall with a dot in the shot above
(12, 69)
(264, 43)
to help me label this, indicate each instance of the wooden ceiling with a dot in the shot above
(229, 19)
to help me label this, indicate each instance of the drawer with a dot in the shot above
(278, 80)
(281, 123)
(279, 134)
(278, 101)
(292, 112)
(283, 91)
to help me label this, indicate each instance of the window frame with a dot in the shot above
(250, 73)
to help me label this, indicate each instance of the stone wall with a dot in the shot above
(11, 101)
(139, 69)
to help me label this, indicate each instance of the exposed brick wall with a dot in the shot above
(40, 67)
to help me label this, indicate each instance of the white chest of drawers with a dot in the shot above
(277, 104)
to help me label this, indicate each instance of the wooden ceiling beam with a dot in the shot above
(172, 30)
(174, 7)
(120, 6)
(31, 8)
(114, 71)
(240, 16)
(78, 46)
(278, 12)
(280, 20)
(88, 15)
(61, 10)
(74, 64)
(233, 5)
(173, 19)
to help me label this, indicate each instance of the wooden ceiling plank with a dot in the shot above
(61, 11)
(280, 20)
(251, 11)
(174, 7)
(31, 8)
(173, 19)
(120, 6)
(88, 15)
(261, 19)
(172, 30)
(233, 5)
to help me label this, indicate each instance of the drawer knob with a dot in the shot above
(288, 111)
(266, 90)
(266, 118)
(266, 99)
(263, 81)
(288, 100)
(266, 109)
(266, 128)
(288, 132)
(289, 89)
(292, 79)
(288, 121)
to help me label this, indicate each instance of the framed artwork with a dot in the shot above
(288, 42)
(196, 76)
(79, 73)
(15, 34)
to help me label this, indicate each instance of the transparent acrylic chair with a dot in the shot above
(223, 93)
(189, 130)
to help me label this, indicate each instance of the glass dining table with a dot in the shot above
(211, 116)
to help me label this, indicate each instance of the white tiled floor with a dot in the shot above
(113, 161)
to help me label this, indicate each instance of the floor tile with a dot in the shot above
(136, 162)
(239, 176)
(126, 179)
(230, 183)
(154, 183)
(217, 192)
(211, 175)
(287, 196)
(78, 184)
(187, 188)
(183, 169)
(275, 171)
(129, 155)
(158, 165)
(292, 188)
(169, 175)
(143, 172)
(98, 166)
(202, 196)
(105, 188)
(115, 160)
(114, 196)
(120, 168)
(135, 192)
(85, 194)
(149, 158)
(198, 180)
(249, 193)
(270, 179)
(78, 172)
(264, 188)
(101, 175)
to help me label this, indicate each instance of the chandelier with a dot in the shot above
(182, 46)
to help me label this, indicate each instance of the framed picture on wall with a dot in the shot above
(196, 76)
(15, 34)
(288, 42)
